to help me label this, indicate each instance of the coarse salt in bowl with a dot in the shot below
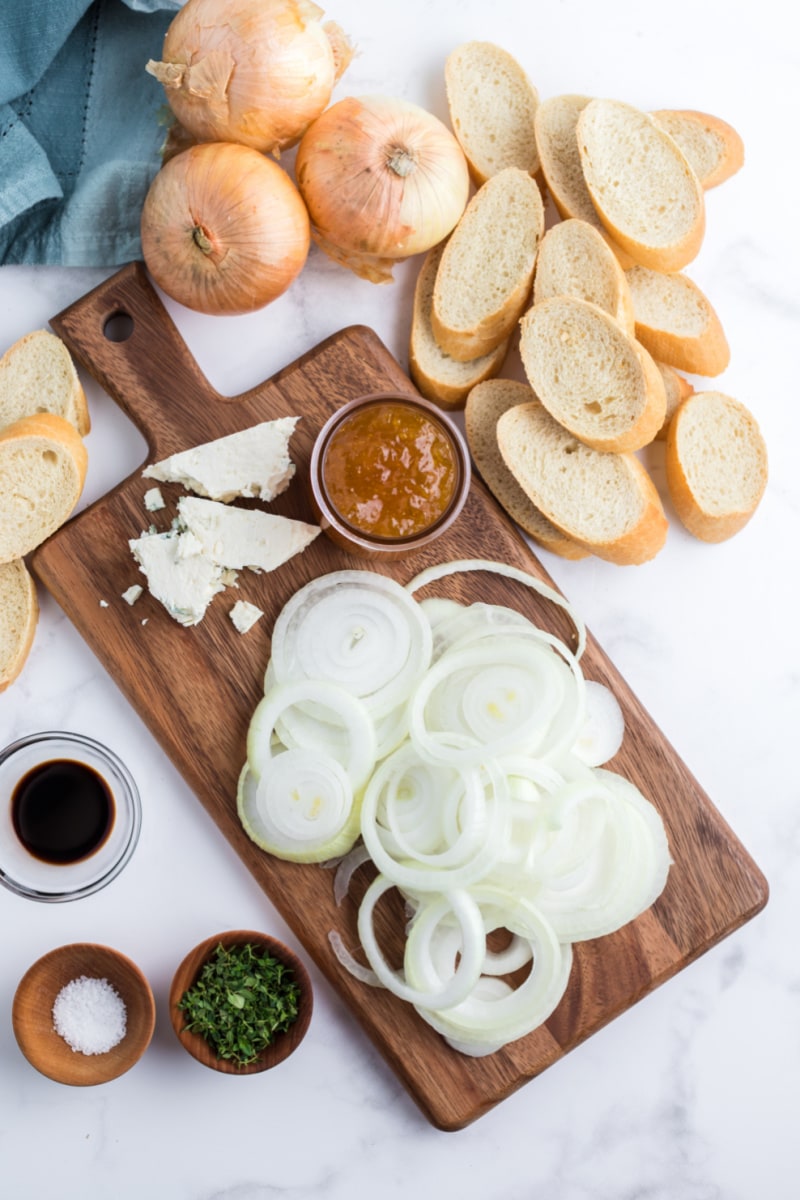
(83, 1014)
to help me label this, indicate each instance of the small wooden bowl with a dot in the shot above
(187, 974)
(32, 1014)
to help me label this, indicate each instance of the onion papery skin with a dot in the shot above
(382, 179)
(257, 72)
(224, 229)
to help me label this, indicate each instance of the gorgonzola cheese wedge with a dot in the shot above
(241, 537)
(252, 462)
(184, 583)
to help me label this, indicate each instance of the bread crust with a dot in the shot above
(74, 406)
(705, 353)
(545, 378)
(428, 363)
(594, 132)
(676, 388)
(634, 545)
(485, 405)
(495, 130)
(593, 251)
(556, 140)
(56, 430)
(731, 157)
(469, 243)
(15, 577)
(683, 476)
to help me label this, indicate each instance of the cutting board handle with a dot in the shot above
(124, 337)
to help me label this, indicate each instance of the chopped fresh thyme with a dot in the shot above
(241, 1000)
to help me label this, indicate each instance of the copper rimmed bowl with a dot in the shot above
(408, 473)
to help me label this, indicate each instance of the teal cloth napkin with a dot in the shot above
(80, 127)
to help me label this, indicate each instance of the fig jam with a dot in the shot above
(390, 471)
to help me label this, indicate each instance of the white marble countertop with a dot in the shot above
(691, 1095)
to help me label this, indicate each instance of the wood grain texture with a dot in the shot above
(32, 1013)
(196, 689)
(187, 975)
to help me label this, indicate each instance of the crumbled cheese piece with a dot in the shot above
(104, 604)
(241, 537)
(252, 462)
(188, 543)
(132, 594)
(244, 615)
(153, 500)
(230, 578)
(184, 583)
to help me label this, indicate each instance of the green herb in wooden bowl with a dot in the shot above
(241, 1002)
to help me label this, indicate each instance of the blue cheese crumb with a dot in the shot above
(153, 500)
(244, 615)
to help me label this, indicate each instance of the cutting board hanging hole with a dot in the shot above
(118, 327)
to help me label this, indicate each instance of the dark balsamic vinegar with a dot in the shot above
(62, 811)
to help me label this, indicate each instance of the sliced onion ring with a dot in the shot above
(442, 570)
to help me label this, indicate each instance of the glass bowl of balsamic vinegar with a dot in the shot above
(70, 816)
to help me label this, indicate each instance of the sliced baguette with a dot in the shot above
(590, 375)
(645, 193)
(712, 147)
(575, 260)
(555, 128)
(492, 106)
(604, 502)
(43, 465)
(676, 322)
(484, 279)
(38, 375)
(19, 612)
(438, 376)
(485, 406)
(716, 465)
(676, 389)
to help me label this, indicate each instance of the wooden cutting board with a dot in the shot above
(196, 689)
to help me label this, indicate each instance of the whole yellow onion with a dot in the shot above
(382, 179)
(224, 229)
(251, 71)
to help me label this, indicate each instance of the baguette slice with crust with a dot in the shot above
(486, 271)
(492, 107)
(43, 465)
(646, 194)
(38, 375)
(438, 376)
(716, 465)
(604, 502)
(713, 148)
(486, 404)
(555, 127)
(593, 378)
(676, 388)
(575, 260)
(676, 322)
(19, 612)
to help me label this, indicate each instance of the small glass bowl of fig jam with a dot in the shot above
(389, 474)
(70, 816)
